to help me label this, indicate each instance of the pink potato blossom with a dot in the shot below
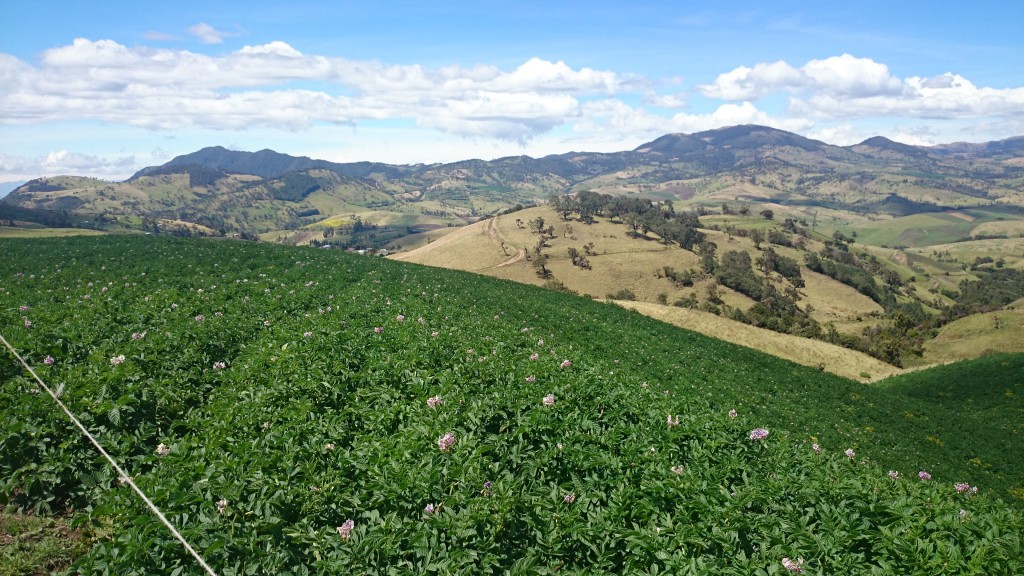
(117, 360)
(434, 401)
(200, 318)
(732, 414)
(549, 400)
(531, 378)
(163, 449)
(924, 476)
(565, 364)
(894, 475)
(400, 318)
(569, 497)
(430, 508)
(307, 334)
(378, 329)
(219, 365)
(446, 442)
(222, 505)
(849, 453)
(816, 447)
(49, 360)
(534, 356)
(673, 421)
(758, 434)
(345, 530)
(793, 565)
(138, 335)
(678, 469)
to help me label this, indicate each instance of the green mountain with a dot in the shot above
(215, 190)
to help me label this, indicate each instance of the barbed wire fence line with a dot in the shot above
(122, 474)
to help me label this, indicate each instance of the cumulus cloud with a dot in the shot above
(847, 87)
(615, 116)
(838, 75)
(166, 89)
(60, 162)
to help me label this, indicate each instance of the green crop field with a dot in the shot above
(298, 411)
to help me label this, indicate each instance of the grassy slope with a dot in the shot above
(815, 353)
(33, 232)
(976, 335)
(277, 376)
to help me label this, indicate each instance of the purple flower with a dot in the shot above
(445, 442)
(534, 356)
(345, 530)
(49, 360)
(793, 565)
(24, 308)
(117, 360)
(565, 364)
(569, 497)
(549, 400)
(435, 333)
(138, 335)
(378, 329)
(531, 378)
(163, 449)
(219, 365)
(307, 334)
(434, 401)
(732, 414)
(222, 505)
(758, 434)
(430, 508)
(962, 487)
(678, 469)
(400, 318)
(200, 318)
(816, 447)
(924, 475)
(849, 453)
(894, 475)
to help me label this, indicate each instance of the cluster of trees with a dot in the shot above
(640, 215)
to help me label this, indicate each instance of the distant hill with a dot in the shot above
(298, 199)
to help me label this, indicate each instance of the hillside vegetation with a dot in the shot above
(308, 411)
(771, 271)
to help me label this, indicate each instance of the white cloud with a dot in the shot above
(844, 74)
(168, 89)
(847, 87)
(207, 34)
(60, 162)
(616, 116)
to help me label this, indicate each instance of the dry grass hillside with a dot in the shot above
(503, 247)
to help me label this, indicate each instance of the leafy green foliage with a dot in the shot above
(264, 395)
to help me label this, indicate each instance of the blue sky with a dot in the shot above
(106, 88)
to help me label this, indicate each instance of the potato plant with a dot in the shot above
(298, 411)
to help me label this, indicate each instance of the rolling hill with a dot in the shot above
(268, 192)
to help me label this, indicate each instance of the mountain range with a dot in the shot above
(217, 191)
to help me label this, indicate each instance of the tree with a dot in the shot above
(767, 214)
(540, 263)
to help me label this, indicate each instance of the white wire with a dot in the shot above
(120, 471)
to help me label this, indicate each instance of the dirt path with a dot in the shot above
(493, 233)
(519, 256)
